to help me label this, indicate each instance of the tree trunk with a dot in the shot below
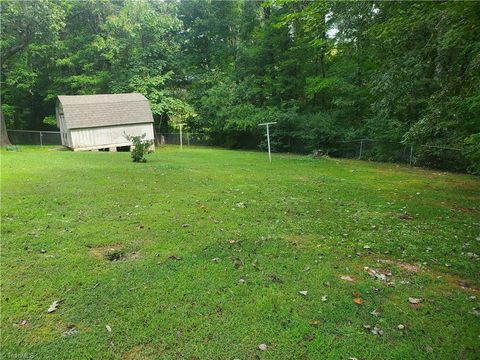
(4, 140)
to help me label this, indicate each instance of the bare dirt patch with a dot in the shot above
(467, 184)
(464, 209)
(100, 251)
(462, 284)
(453, 280)
(403, 265)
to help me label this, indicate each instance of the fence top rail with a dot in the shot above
(36, 131)
(373, 140)
(441, 147)
(348, 141)
(58, 132)
(193, 133)
(400, 143)
(178, 133)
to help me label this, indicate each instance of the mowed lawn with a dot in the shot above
(203, 253)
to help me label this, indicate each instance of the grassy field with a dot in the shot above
(203, 253)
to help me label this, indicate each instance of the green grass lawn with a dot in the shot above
(214, 246)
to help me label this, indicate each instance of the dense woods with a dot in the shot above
(325, 71)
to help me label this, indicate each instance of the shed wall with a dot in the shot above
(110, 136)
(64, 132)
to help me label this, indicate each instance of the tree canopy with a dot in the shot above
(325, 71)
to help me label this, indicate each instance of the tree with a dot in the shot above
(4, 140)
(29, 30)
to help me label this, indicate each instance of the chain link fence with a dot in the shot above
(362, 149)
(32, 137)
(188, 139)
(438, 157)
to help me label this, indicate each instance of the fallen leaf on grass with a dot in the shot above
(379, 275)
(54, 306)
(71, 330)
(347, 278)
(475, 312)
(215, 259)
(237, 263)
(315, 323)
(404, 216)
(308, 337)
(412, 300)
(324, 298)
(375, 313)
(109, 329)
(357, 301)
(175, 257)
(275, 278)
(303, 292)
(375, 330)
(262, 347)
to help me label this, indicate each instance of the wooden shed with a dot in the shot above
(91, 122)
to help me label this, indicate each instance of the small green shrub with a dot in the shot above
(140, 147)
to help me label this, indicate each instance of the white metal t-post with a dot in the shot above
(181, 137)
(268, 138)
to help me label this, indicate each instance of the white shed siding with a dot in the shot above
(64, 132)
(110, 136)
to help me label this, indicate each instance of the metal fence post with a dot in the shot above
(188, 139)
(361, 149)
(411, 154)
(41, 140)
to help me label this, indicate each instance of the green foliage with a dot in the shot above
(50, 120)
(472, 152)
(140, 147)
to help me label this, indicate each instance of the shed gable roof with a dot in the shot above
(84, 111)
